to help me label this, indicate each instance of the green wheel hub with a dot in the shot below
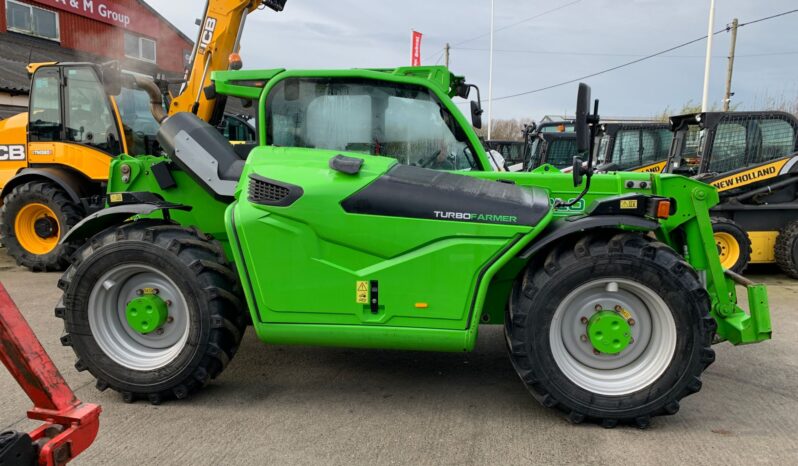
(146, 314)
(609, 332)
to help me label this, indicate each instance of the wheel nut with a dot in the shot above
(169, 303)
(583, 338)
(159, 331)
(631, 340)
(156, 290)
(596, 352)
(631, 321)
(170, 319)
(583, 320)
(139, 292)
(598, 307)
(618, 308)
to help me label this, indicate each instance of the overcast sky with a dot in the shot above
(579, 38)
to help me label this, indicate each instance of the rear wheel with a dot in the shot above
(33, 219)
(787, 249)
(734, 246)
(610, 329)
(152, 310)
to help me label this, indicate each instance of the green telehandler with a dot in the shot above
(367, 217)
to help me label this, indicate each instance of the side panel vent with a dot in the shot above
(271, 192)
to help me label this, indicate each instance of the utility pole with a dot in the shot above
(446, 55)
(707, 63)
(730, 69)
(490, 73)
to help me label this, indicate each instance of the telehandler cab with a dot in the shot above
(752, 159)
(365, 218)
(54, 159)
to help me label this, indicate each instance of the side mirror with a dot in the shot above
(476, 114)
(581, 125)
(112, 78)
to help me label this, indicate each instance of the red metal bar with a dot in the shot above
(70, 425)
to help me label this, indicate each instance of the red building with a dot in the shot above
(129, 31)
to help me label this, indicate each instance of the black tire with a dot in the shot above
(68, 215)
(733, 232)
(787, 249)
(550, 278)
(197, 266)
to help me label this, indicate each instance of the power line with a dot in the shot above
(603, 54)
(544, 13)
(638, 60)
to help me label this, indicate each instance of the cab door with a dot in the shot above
(72, 121)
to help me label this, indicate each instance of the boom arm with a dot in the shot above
(219, 37)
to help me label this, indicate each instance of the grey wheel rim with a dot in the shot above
(634, 368)
(106, 315)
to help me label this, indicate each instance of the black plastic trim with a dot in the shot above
(294, 192)
(561, 228)
(414, 192)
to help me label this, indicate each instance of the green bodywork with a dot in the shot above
(301, 266)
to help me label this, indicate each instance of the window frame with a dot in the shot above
(31, 32)
(139, 40)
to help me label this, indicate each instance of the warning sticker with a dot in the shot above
(362, 292)
(628, 203)
(116, 197)
(626, 314)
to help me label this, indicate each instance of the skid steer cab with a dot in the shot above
(752, 160)
(367, 217)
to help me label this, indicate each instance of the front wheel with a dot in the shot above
(733, 243)
(152, 310)
(33, 219)
(610, 329)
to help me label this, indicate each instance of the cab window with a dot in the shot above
(45, 106)
(237, 129)
(139, 125)
(89, 117)
(404, 122)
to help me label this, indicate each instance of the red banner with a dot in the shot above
(415, 57)
(109, 12)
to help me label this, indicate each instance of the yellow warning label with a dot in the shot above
(362, 292)
(148, 291)
(626, 314)
(116, 197)
(628, 203)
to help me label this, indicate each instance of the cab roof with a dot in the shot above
(248, 84)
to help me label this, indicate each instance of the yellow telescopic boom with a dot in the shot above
(216, 48)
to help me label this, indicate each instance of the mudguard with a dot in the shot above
(115, 215)
(560, 228)
(71, 183)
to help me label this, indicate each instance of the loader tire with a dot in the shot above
(629, 286)
(33, 219)
(733, 243)
(151, 310)
(787, 249)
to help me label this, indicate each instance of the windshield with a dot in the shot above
(744, 142)
(373, 117)
(640, 146)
